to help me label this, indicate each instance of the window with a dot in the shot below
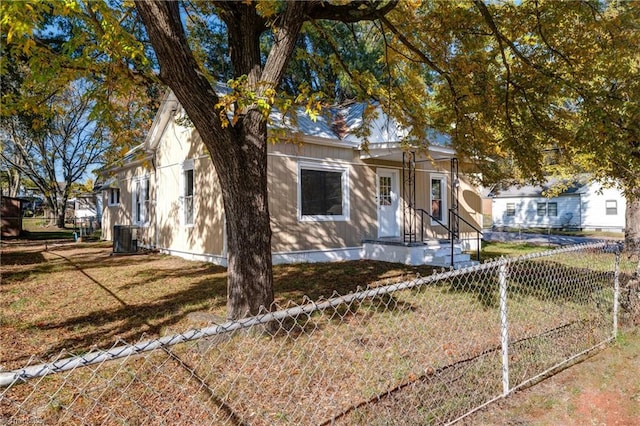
(542, 209)
(114, 196)
(612, 207)
(552, 209)
(436, 199)
(187, 193)
(141, 200)
(384, 191)
(511, 209)
(323, 192)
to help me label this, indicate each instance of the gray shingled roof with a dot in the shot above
(577, 186)
(382, 128)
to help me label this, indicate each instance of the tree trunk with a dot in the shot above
(250, 278)
(14, 182)
(61, 213)
(632, 226)
(238, 153)
(239, 150)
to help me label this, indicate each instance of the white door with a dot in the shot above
(388, 203)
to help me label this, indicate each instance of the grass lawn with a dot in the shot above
(71, 297)
(494, 250)
(568, 232)
(74, 296)
(38, 229)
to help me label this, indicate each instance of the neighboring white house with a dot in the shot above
(585, 205)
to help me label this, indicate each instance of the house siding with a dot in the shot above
(180, 146)
(585, 209)
(122, 213)
(526, 212)
(595, 210)
(205, 238)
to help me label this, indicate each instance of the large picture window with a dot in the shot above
(323, 192)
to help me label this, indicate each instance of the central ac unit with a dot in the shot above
(125, 239)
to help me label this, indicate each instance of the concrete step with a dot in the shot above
(460, 260)
(433, 253)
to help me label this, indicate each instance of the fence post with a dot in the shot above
(504, 327)
(616, 294)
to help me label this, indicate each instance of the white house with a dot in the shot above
(585, 205)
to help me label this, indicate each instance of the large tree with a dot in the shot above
(55, 151)
(239, 148)
(524, 89)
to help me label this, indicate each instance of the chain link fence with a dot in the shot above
(427, 351)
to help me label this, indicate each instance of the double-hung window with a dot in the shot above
(114, 196)
(552, 209)
(323, 192)
(141, 200)
(187, 193)
(611, 207)
(511, 209)
(542, 209)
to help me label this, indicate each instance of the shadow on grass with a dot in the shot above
(323, 280)
(129, 321)
(57, 234)
(543, 279)
(22, 258)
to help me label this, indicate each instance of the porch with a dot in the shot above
(421, 223)
(433, 252)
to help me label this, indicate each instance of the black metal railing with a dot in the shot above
(456, 235)
(422, 213)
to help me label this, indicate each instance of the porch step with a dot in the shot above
(440, 255)
(433, 253)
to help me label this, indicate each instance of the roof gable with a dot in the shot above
(381, 127)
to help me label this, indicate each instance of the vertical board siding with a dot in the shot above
(168, 231)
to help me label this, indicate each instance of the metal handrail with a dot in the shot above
(478, 233)
(422, 213)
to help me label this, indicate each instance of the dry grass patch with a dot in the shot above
(416, 356)
(73, 297)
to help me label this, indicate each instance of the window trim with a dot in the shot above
(443, 194)
(110, 192)
(145, 187)
(324, 167)
(186, 166)
(614, 209)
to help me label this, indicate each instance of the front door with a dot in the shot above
(388, 203)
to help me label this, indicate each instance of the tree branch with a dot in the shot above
(444, 74)
(358, 10)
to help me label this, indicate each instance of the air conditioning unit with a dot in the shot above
(125, 239)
